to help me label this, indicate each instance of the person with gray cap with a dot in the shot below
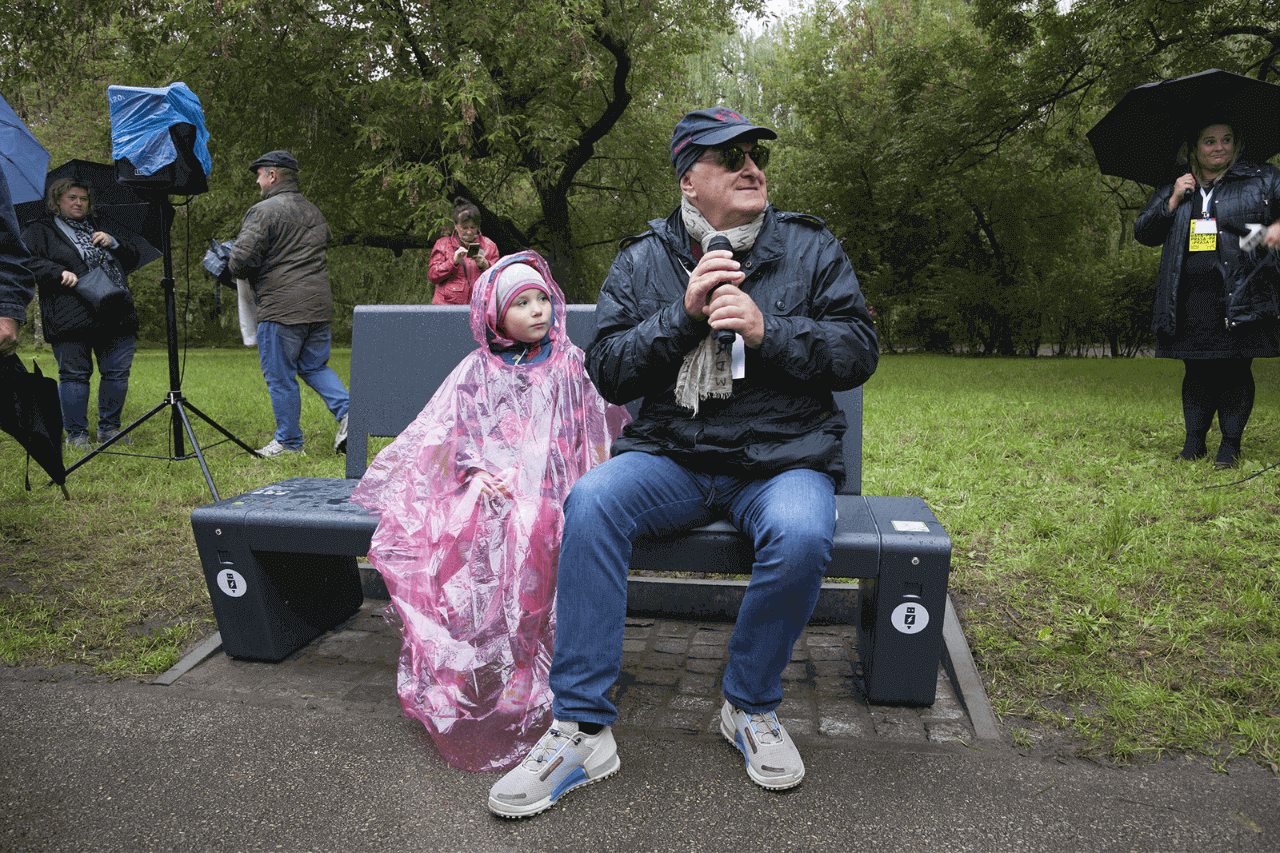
(281, 252)
(736, 353)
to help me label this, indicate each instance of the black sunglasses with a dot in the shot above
(734, 158)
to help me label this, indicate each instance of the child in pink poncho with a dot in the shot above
(471, 496)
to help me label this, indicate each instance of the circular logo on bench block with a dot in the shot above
(232, 583)
(910, 617)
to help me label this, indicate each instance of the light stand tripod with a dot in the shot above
(174, 399)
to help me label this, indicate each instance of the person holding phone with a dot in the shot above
(458, 258)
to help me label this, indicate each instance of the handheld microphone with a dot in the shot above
(724, 337)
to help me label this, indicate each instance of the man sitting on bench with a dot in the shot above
(736, 354)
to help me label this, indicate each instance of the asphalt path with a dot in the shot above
(88, 764)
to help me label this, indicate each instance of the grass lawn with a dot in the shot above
(1104, 588)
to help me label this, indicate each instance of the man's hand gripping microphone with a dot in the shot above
(724, 337)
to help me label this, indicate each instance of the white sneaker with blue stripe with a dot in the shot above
(563, 759)
(773, 761)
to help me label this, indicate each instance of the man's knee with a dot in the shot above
(589, 495)
(800, 539)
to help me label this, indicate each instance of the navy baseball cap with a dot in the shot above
(274, 160)
(702, 129)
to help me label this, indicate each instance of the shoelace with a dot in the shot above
(548, 747)
(766, 727)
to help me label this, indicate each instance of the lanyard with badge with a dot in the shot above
(1204, 230)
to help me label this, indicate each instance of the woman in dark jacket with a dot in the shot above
(65, 246)
(1217, 306)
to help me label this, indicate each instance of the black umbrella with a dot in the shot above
(1140, 137)
(31, 413)
(119, 210)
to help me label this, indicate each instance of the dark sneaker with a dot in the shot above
(772, 759)
(562, 760)
(105, 435)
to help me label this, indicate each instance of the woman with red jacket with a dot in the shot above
(458, 258)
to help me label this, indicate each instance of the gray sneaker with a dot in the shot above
(772, 759)
(275, 448)
(80, 441)
(340, 441)
(562, 760)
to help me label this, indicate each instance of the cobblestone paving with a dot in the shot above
(671, 675)
(670, 680)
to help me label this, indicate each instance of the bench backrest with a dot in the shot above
(401, 353)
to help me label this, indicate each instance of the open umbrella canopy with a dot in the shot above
(23, 159)
(31, 413)
(117, 209)
(1141, 136)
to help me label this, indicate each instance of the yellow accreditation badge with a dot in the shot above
(1204, 235)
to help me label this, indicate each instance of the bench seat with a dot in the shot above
(282, 568)
(281, 561)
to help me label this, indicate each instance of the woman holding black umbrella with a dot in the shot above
(65, 245)
(1217, 305)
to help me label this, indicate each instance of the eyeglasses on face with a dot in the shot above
(734, 158)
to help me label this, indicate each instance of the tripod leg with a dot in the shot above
(179, 411)
(211, 422)
(123, 432)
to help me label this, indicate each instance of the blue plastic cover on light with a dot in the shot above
(140, 122)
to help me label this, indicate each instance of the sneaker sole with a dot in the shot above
(577, 779)
(768, 783)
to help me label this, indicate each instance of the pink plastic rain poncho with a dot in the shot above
(473, 578)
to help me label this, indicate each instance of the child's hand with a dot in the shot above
(492, 485)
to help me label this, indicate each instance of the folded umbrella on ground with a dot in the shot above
(31, 413)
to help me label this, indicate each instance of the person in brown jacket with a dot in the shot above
(281, 252)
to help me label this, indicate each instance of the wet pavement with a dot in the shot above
(312, 754)
(670, 679)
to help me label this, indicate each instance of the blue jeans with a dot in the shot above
(790, 517)
(75, 366)
(287, 352)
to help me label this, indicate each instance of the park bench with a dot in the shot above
(281, 561)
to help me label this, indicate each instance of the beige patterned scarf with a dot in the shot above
(707, 369)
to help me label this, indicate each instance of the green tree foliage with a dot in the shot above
(945, 142)
(541, 113)
(408, 105)
(942, 140)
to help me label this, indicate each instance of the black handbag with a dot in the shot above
(101, 294)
